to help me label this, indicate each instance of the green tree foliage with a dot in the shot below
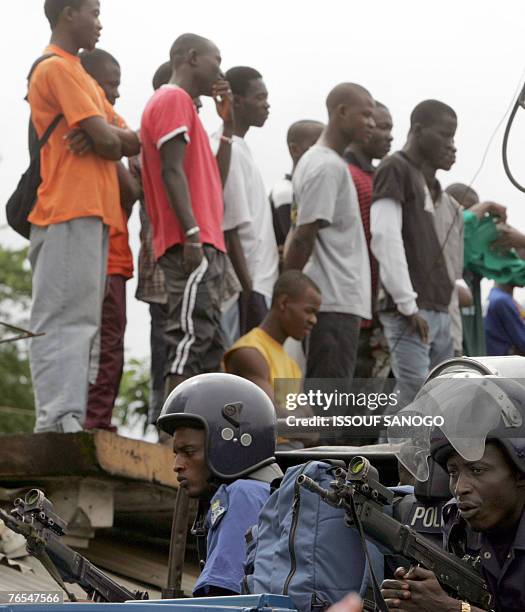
(15, 285)
(132, 405)
(16, 391)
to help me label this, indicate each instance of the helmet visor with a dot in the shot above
(464, 409)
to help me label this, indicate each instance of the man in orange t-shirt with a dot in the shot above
(77, 201)
(108, 354)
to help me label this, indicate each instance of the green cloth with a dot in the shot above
(480, 258)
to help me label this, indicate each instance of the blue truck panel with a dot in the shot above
(236, 603)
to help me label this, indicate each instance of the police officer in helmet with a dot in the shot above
(481, 444)
(224, 430)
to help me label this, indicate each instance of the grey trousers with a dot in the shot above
(68, 262)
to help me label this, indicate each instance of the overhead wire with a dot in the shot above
(520, 101)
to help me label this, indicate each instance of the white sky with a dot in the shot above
(468, 54)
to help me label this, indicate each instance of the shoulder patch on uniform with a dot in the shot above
(217, 510)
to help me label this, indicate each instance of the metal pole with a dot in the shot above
(179, 532)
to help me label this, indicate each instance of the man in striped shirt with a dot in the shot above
(360, 156)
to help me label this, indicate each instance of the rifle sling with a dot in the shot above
(379, 601)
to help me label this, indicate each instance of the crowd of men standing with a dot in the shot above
(373, 243)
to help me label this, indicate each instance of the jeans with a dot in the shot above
(410, 358)
(230, 323)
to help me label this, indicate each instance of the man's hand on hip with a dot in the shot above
(419, 326)
(193, 255)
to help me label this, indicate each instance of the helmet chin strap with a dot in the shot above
(266, 473)
(215, 482)
(199, 530)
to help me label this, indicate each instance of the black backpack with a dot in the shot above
(22, 201)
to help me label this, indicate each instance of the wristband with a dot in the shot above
(465, 607)
(192, 231)
(227, 139)
(194, 245)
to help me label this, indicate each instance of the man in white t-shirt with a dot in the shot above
(248, 223)
(328, 242)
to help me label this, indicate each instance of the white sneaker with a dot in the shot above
(69, 423)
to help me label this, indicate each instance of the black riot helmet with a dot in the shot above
(237, 416)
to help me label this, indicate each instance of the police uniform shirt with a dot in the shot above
(233, 510)
(505, 582)
(458, 537)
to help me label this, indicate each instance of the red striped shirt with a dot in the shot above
(363, 181)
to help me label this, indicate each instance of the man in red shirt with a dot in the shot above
(183, 193)
(107, 359)
(360, 156)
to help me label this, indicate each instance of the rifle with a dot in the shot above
(34, 518)
(363, 497)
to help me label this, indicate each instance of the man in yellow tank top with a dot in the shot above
(259, 355)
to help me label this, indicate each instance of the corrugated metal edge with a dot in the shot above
(11, 579)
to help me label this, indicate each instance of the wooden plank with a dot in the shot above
(135, 459)
(148, 565)
(26, 458)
